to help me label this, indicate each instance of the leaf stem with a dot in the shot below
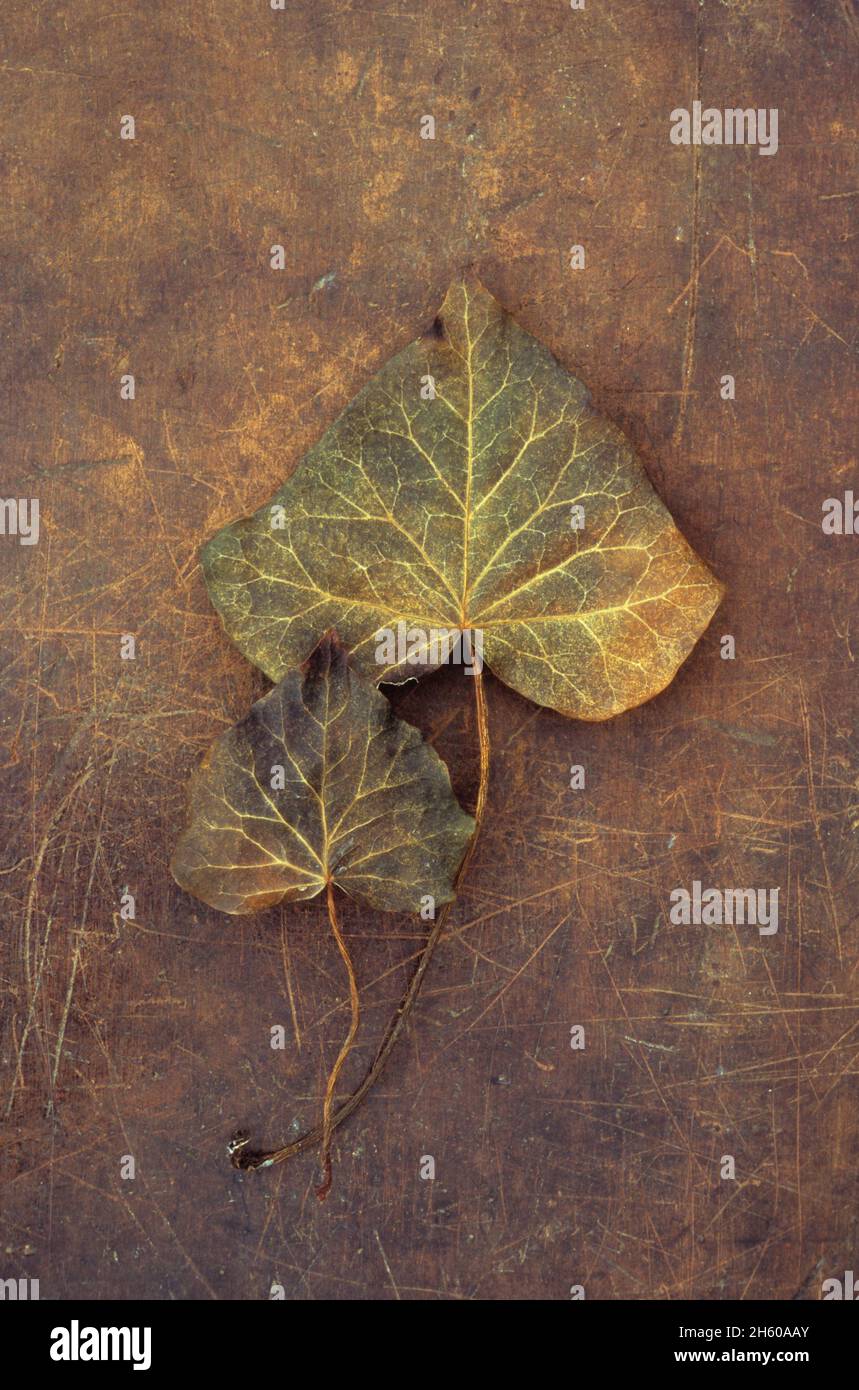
(249, 1160)
(325, 1186)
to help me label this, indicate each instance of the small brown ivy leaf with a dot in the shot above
(321, 783)
(471, 486)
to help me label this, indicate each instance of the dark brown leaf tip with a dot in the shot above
(329, 654)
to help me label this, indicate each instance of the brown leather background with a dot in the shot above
(151, 1037)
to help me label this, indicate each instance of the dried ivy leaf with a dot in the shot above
(321, 783)
(505, 504)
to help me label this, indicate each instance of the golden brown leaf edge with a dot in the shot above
(321, 782)
(456, 512)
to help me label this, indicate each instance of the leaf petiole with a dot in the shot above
(249, 1160)
(325, 1186)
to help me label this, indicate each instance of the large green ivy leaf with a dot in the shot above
(320, 783)
(501, 503)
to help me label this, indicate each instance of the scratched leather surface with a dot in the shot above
(151, 1037)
